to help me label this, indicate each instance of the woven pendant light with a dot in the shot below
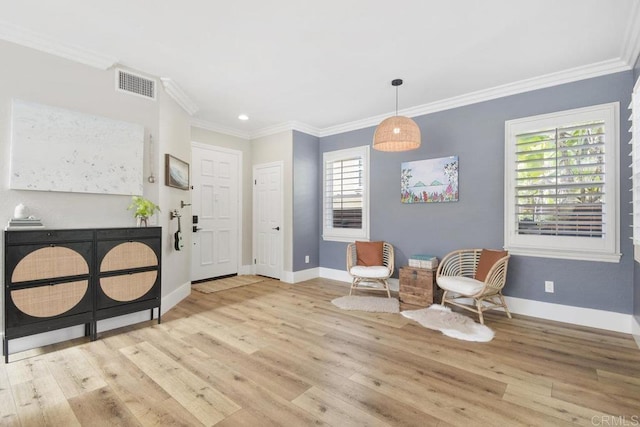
(397, 133)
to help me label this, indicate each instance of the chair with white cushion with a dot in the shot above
(478, 274)
(370, 262)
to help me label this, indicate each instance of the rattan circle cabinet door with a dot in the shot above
(128, 271)
(46, 279)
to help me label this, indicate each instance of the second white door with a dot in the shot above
(267, 219)
(215, 179)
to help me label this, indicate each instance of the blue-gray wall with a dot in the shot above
(306, 220)
(475, 133)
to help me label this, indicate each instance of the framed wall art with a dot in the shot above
(429, 181)
(56, 149)
(176, 172)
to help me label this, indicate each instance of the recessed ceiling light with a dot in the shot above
(243, 117)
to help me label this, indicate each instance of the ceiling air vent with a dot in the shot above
(135, 84)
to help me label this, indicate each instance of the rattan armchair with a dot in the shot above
(370, 274)
(457, 277)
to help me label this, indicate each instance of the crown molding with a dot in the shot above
(541, 82)
(272, 130)
(214, 127)
(28, 38)
(305, 128)
(284, 127)
(631, 46)
(178, 95)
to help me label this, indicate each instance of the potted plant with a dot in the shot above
(143, 209)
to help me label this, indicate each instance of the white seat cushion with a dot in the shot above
(373, 272)
(459, 284)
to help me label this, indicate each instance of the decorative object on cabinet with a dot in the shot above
(56, 279)
(417, 285)
(176, 172)
(143, 209)
(429, 181)
(423, 261)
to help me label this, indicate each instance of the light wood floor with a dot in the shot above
(277, 354)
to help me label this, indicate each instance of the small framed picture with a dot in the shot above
(176, 172)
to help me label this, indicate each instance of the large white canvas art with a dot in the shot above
(54, 149)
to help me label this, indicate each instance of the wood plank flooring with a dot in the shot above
(273, 354)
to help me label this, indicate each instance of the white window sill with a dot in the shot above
(348, 239)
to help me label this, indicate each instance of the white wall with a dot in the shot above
(204, 136)
(273, 148)
(35, 76)
(174, 139)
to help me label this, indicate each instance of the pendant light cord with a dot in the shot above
(396, 100)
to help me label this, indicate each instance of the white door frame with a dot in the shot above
(254, 254)
(240, 163)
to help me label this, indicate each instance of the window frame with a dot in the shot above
(605, 249)
(330, 233)
(634, 118)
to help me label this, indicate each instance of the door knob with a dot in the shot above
(276, 228)
(196, 228)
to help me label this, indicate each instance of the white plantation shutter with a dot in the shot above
(560, 181)
(562, 184)
(345, 194)
(635, 160)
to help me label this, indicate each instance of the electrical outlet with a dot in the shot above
(306, 259)
(548, 286)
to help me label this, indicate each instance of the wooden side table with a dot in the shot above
(418, 285)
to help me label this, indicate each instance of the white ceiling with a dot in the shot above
(327, 65)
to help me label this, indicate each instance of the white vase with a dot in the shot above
(20, 212)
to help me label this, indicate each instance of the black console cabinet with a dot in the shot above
(60, 278)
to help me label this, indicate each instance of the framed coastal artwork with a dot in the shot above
(176, 172)
(429, 181)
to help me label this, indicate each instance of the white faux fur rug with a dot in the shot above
(372, 304)
(451, 324)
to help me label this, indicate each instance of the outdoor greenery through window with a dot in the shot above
(345, 201)
(562, 184)
(560, 181)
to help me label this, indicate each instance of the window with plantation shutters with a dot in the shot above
(345, 194)
(634, 118)
(562, 184)
(560, 181)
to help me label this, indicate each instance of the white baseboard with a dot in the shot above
(171, 300)
(590, 317)
(286, 276)
(246, 269)
(46, 338)
(601, 319)
(308, 274)
(343, 276)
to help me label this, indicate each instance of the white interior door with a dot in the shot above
(267, 219)
(215, 179)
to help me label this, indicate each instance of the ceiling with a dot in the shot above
(326, 66)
